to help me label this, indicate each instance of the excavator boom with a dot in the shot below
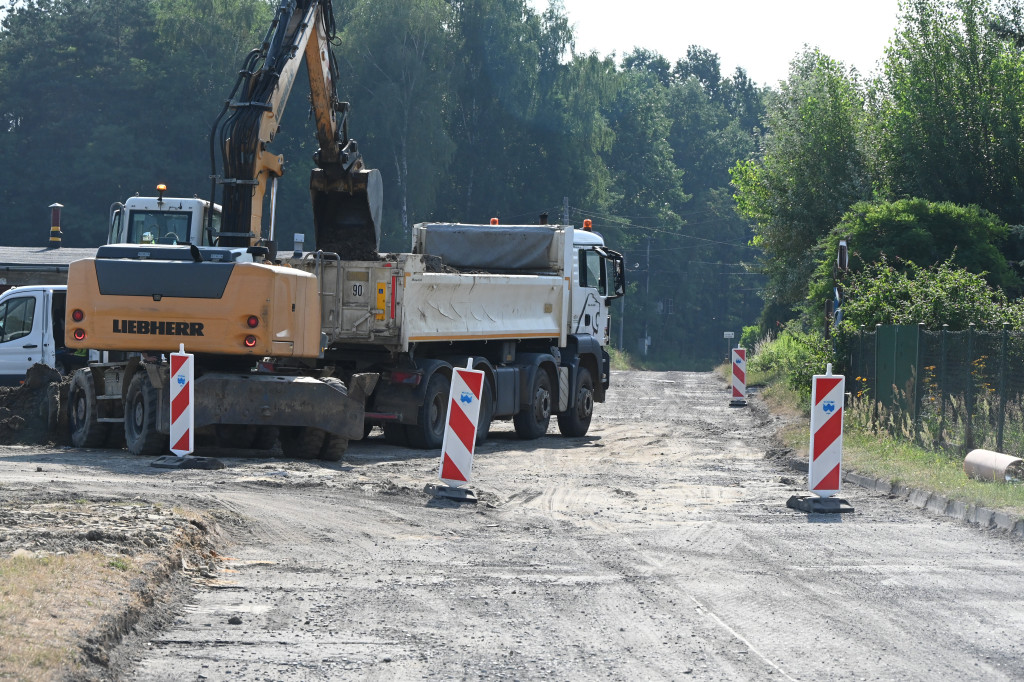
(347, 197)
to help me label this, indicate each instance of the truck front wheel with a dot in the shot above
(576, 422)
(532, 422)
(86, 431)
(141, 416)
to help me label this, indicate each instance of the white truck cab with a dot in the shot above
(164, 220)
(32, 331)
(599, 279)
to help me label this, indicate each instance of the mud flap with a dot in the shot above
(271, 400)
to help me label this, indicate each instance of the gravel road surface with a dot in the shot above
(659, 547)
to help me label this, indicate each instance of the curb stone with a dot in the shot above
(940, 505)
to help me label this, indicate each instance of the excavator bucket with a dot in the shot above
(346, 213)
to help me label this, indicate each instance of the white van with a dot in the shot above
(32, 331)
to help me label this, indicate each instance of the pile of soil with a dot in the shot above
(30, 413)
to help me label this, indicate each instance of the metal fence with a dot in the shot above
(956, 390)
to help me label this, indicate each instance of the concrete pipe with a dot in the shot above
(986, 465)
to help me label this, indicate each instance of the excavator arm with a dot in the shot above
(347, 197)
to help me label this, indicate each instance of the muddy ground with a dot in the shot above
(658, 547)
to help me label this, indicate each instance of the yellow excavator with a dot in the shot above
(253, 326)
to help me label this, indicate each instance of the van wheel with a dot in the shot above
(141, 416)
(576, 422)
(532, 422)
(86, 431)
(428, 434)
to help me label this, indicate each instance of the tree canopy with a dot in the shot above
(471, 109)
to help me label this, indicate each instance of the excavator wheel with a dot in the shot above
(301, 442)
(141, 416)
(264, 437)
(86, 431)
(334, 448)
(396, 434)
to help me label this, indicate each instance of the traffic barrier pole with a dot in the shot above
(825, 455)
(460, 427)
(182, 402)
(739, 377)
(824, 472)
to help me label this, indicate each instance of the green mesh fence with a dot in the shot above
(965, 389)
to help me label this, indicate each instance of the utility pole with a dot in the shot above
(647, 298)
(565, 210)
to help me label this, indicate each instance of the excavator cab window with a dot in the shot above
(159, 227)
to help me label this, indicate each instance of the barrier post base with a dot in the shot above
(458, 494)
(812, 504)
(187, 462)
(737, 402)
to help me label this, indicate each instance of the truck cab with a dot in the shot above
(32, 331)
(164, 220)
(599, 279)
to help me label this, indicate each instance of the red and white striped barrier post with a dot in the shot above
(460, 432)
(182, 402)
(739, 377)
(825, 455)
(826, 451)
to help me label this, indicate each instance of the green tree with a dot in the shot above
(936, 295)
(949, 108)
(101, 99)
(811, 171)
(398, 58)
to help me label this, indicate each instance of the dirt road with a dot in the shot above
(659, 547)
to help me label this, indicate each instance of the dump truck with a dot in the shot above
(315, 349)
(319, 349)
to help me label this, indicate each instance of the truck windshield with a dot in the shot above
(159, 227)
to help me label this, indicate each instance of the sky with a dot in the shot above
(761, 36)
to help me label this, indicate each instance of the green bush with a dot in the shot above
(794, 357)
(750, 336)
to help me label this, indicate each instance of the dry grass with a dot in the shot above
(48, 604)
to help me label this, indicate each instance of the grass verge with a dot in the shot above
(893, 459)
(49, 604)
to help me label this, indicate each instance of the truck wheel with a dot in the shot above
(86, 431)
(301, 442)
(141, 407)
(576, 422)
(428, 433)
(533, 422)
(483, 423)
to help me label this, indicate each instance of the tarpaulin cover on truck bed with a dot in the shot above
(487, 247)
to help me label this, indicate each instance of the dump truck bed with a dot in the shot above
(419, 297)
